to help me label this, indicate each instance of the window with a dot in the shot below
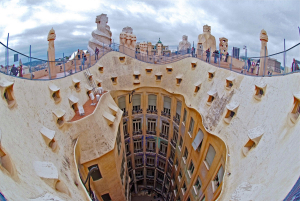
(106, 197)
(180, 143)
(176, 164)
(175, 190)
(191, 169)
(122, 103)
(150, 173)
(203, 199)
(137, 144)
(169, 170)
(183, 188)
(150, 160)
(125, 129)
(136, 103)
(158, 77)
(158, 186)
(179, 80)
(163, 148)
(179, 175)
(114, 80)
(197, 185)
(197, 143)
(160, 176)
(165, 129)
(152, 103)
(185, 155)
(229, 84)
(127, 147)
(210, 99)
(138, 161)
(188, 199)
(139, 173)
(218, 179)
(191, 128)
(167, 106)
(175, 137)
(210, 156)
(161, 164)
(151, 145)
(151, 126)
(178, 112)
(119, 142)
(137, 126)
(96, 175)
(150, 183)
(172, 154)
(129, 163)
(184, 115)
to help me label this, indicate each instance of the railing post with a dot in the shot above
(231, 60)
(265, 62)
(103, 49)
(30, 62)
(75, 61)
(7, 53)
(64, 63)
(48, 65)
(284, 56)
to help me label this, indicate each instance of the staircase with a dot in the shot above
(90, 80)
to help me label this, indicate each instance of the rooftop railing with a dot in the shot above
(17, 64)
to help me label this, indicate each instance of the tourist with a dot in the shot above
(207, 55)
(249, 64)
(96, 53)
(295, 66)
(257, 66)
(221, 56)
(14, 71)
(227, 55)
(78, 53)
(216, 55)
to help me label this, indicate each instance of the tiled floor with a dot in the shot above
(88, 109)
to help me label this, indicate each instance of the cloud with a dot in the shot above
(29, 22)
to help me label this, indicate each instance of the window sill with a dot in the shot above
(189, 173)
(179, 178)
(195, 191)
(179, 148)
(184, 160)
(190, 134)
(206, 165)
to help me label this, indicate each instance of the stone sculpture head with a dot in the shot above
(51, 35)
(263, 36)
(133, 38)
(127, 30)
(206, 29)
(122, 38)
(128, 39)
(101, 19)
(184, 38)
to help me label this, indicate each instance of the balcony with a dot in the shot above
(150, 132)
(137, 132)
(150, 177)
(125, 113)
(161, 168)
(162, 153)
(127, 153)
(150, 164)
(126, 135)
(139, 165)
(171, 160)
(138, 177)
(173, 143)
(166, 114)
(151, 111)
(137, 111)
(159, 179)
(163, 135)
(150, 150)
(176, 120)
(138, 150)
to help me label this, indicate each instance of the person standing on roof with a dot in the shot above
(295, 66)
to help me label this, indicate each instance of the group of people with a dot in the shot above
(216, 55)
(15, 70)
(83, 59)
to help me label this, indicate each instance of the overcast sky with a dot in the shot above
(29, 21)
